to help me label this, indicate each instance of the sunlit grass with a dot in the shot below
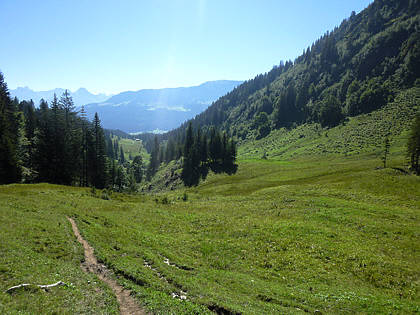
(337, 235)
(318, 225)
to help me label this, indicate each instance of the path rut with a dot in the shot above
(127, 303)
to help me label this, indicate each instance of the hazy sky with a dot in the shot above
(113, 46)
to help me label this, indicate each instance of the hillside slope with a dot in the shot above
(357, 68)
(363, 134)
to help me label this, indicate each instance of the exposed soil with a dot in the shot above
(127, 303)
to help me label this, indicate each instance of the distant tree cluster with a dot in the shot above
(56, 144)
(200, 151)
(204, 152)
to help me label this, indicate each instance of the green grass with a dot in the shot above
(319, 225)
(37, 246)
(363, 134)
(337, 235)
(133, 148)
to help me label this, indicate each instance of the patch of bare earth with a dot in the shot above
(127, 303)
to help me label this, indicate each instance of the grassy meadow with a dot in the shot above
(334, 235)
(132, 148)
(319, 225)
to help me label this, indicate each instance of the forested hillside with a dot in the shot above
(57, 144)
(356, 68)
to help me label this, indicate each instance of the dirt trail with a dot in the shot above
(127, 304)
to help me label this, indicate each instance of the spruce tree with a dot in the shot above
(99, 180)
(386, 150)
(191, 163)
(154, 159)
(413, 145)
(137, 167)
(122, 157)
(215, 151)
(203, 152)
(10, 170)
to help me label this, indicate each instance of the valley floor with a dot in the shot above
(338, 235)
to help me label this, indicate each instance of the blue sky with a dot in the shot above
(112, 46)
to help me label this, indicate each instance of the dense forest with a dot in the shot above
(54, 143)
(356, 68)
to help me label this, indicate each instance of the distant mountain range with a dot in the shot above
(158, 109)
(80, 97)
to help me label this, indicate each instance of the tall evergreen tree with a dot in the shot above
(386, 151)
(191, 162)
(122, 157)
(413, 145)
(215, 151)
(203, 154)
(154, 159)
(98, 163)
(137, 167)
(10, 170)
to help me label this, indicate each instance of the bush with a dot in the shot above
(105, 195)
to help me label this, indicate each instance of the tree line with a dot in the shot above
(54, 143)
(199, 151)
(204, 152)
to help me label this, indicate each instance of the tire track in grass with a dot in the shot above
(127, 303)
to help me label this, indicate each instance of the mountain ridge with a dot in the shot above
(80, 97)
(150, 109)
(356, 68)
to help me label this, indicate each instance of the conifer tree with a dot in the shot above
(191, 162)
(99, 163)
(137, 167)
(413, 145)
(386, 150)
(203, 152)
(10, 170)
(215, 151)
(154, 159)
(122, 157)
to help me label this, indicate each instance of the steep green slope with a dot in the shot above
(357, 68)
(363, 134)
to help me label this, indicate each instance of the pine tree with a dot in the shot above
(44, 151)
(121, 178)
(131, 181)
(66, 103)
(99, 179)
(122, 157)
(10, 170)
(59, 170)
(413, 145)
(203, 151)
(137, 167)
(84, 148)
(116, 149)
(230, 158)
(154, 159)
(215, 151)
(191, 163)
(30, 126)
(386, 150)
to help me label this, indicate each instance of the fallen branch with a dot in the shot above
(42, 286)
